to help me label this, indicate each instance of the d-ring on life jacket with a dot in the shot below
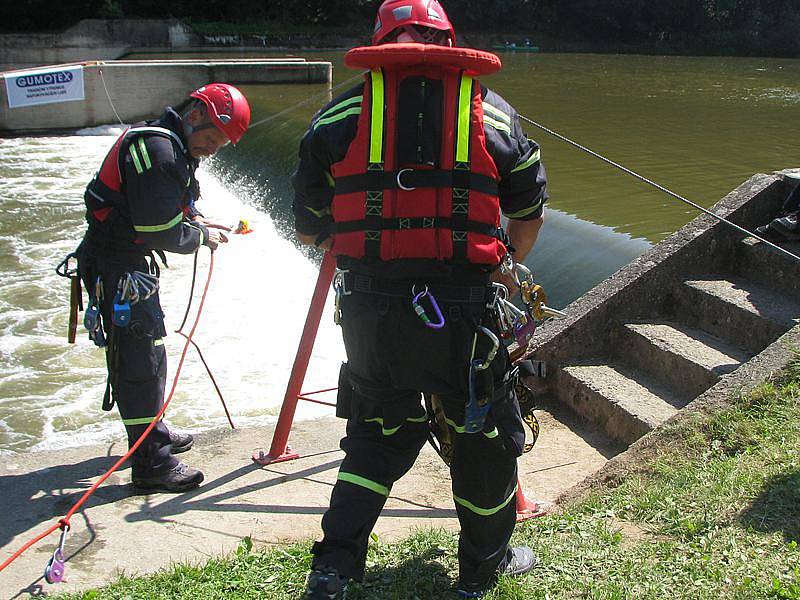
(394, 199)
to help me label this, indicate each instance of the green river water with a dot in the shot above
(699, 126)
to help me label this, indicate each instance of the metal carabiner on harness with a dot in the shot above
(339, 291)
(92, 319)
(481, 385)
(420, 310)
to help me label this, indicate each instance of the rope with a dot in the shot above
(179, 331)
(63, 524)
(110, 101)
(309, 100)
(661, 188)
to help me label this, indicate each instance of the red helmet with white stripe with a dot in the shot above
(227, 107)
(405, 15)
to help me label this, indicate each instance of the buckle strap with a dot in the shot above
(411, 179)
(365, 284)
(401, 223)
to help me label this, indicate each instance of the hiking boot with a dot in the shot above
(325, 584)
(520, 560)
(179, 478)
(787, 226)
(181, 442)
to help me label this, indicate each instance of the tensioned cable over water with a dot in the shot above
(659, 187)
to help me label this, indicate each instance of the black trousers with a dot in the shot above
(137, 366)
(392, 358)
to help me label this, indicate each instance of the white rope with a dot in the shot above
(660, 187)
(111, 102)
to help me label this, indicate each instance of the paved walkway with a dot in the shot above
(123, 530)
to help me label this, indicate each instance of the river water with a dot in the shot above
(697, 125)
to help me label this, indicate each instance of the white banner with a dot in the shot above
(30, 88)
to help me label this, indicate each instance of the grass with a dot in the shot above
(716, 514)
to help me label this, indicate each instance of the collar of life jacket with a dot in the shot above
(400, 55)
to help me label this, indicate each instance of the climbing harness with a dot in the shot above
(661, 188)
(420, 310)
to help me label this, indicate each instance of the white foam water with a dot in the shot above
(261, 287)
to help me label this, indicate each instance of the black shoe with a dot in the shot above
(520, 560)
(179, 478)
(181, 442)
(325, 584)
(787, 226)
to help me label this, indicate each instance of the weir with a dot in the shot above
(133, 90)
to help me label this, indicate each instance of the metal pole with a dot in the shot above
(280, 451)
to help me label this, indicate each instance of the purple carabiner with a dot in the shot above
(420, 310)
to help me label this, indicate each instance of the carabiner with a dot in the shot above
(491, 354)
(420, 310)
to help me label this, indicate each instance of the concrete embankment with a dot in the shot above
(141, 89)
(677, 322)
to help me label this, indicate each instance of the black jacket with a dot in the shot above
(156, 203)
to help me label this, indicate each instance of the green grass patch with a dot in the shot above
(715, 515)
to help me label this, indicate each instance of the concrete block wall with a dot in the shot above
(140, 90)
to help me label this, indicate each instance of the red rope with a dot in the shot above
(64, 523)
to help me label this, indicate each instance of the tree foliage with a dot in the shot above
(765, 27)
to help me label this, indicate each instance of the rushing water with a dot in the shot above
(697, 125)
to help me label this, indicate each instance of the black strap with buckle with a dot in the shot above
(365, 284)
(411, 179)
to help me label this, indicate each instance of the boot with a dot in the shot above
(520, 560)
(179, 478)
(325, 584)
(181, 442)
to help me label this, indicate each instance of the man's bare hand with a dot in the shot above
(215, 238)
(211, 224)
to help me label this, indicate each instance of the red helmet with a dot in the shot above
(394, 14)
(227, 108)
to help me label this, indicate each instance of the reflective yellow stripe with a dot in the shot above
(485, 512)
(464, 118)
(339, 117)
(496, 113)
(342, 104)
(319, 213)
(145, 155)
(525, 211)
(142, 421)
(376, 124)
(535, 157)
(136, 162)
(422, 419)
(496, 124)
(461, 429)
(155, 228)
(158, 342)
(373, 486)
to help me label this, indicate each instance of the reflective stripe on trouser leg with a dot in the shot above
(139, 381)
(372, 463)
(484, 477)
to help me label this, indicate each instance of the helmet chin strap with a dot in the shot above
(189, 129)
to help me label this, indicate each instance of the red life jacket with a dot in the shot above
(446, 208)
(105, 194)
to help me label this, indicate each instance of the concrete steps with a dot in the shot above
(624, 403)
(747, 314)
(761, 264)
(687, 360)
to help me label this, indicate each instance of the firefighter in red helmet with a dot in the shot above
(141, 202)
(404, 179)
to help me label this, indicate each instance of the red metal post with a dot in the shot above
(280, 451)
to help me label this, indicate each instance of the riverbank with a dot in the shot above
(124, 532)
(716, 514)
